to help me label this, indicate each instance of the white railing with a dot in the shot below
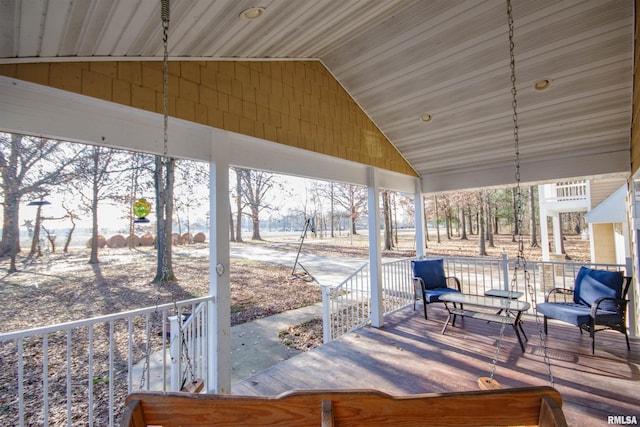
(347, 306)
(565, 191)
(188, 347)
(79, 373)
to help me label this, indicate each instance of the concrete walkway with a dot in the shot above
(255, 346)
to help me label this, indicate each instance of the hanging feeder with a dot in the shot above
(141, 209)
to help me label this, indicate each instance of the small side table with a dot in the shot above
(501, 293)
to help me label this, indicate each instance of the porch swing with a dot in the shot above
(491, 405)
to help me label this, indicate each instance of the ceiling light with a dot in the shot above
(252, 13)
(542, 84)
(425, 117)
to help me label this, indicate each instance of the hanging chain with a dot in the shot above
(521, 262)
(164, 13)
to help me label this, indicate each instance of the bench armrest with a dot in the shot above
(562, 291)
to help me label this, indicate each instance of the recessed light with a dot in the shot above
(542, 84)
(426, 117)
(252, 13)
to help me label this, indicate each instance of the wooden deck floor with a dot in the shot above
(410, 355)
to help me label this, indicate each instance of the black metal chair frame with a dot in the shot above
(599, 321)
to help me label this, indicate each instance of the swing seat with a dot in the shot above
(430, 282)
(599, 302)
(531, 406)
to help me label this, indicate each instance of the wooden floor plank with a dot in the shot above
(410, 355)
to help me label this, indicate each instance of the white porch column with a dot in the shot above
(219, 376)
(375, 258)
(419, 219)
(544, 230)
(557, 234)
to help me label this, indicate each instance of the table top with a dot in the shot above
(502, 293)
(483, 301)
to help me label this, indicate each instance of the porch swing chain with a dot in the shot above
(164, 12)
(521, 261)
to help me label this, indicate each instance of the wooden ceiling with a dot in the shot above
(399, 59)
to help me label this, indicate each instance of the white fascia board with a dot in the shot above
(37, 110)
(255, 153)
(554, 169)
(610, 210)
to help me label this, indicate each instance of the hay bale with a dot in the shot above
(102, 242)
(130, 238)
(199, 238)
(147, 240)
(116, 241)
(186, 239)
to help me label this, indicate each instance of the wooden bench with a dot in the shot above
(522, 406)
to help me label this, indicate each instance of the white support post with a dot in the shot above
(544, 230)
(557, 234)
(375, 258)
(219, 372)
(419, 219)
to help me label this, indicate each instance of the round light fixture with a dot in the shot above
(542, 84)
(425, 117)
(252, 13)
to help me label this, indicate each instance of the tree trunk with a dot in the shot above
(255, 218)
(534, 223)
(463, 225)
(435, 198)
(10, 229)
(35, 241)
(232, 237)
(388, 232)
(426, 224)
(332, 211)
(163, 180)
(238, 204)
(470, 220)
(482, 248)
(489, 229)
(93, 258)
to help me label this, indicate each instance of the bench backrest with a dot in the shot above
(523, 406)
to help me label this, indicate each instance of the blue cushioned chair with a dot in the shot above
(599, 303)
(430, 282)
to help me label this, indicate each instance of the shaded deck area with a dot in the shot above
(410, 355)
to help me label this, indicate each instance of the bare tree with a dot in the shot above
(28, 166)
(96, 180)
(256, 187)
(191, 179)
(353, 198)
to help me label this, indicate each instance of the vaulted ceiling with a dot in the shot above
(399, 60)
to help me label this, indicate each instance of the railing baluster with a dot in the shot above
(90, 375)
(69, 346)
(20, 382)
(45, 379)
(111, 403)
